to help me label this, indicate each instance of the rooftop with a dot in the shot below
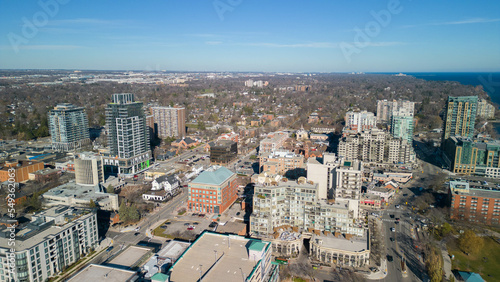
(129, 257)
(354, 244)
(232, 264)
(95, 272)
(215, 175)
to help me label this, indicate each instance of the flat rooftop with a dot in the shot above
(96, 273)
(173, 249)
(130, 256)
(233, 263)
(355, 244)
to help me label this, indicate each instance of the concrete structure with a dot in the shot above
(485, 110)
(69, 127)
(165, 257)
(76, 195)
(213, 191)
(273, 142)
(348, 180)
(402, 127)
(477, 205)
(222, 152)
(19, 170)
(128, 136)
(468, 157)
(376, 146)
(296, 204)
(337, 250)
(53, 240)
(460, 117)
(387, 109)
(217, 257)
(44, 175)
(360, 120)
(95, 272)
(320, 171)
(89, 169)
(281, 162)
(400, 177)
(169, 122)
(131, 257)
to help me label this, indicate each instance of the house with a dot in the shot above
(169, 183)
(468, 276)
(185, 143)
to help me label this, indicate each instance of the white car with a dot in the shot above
(398, 206)
(393, 229)
(138, 228)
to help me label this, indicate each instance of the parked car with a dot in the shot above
(138, 228)
(212, 225)
(393, 229)
(187, 224)
(109, 249)
(190, 228)
(392, 239)
(389, 258)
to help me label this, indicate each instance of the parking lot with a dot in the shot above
(185, 227)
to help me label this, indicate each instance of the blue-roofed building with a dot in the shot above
(469, 277)
(213, 191)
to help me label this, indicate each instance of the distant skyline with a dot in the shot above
(257, 35)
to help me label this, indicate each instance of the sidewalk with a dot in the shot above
(446, 261)
(380, 274)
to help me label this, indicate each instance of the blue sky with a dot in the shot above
(252, 35)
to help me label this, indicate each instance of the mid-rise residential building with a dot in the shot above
(387, 109)
(485, 110)
(89, 169)
(219, 257)
(213, 191)
(402, 127)
(348, 180)
(69, 127)
(468, 157)
(273, 142)
(128, 136)
(459, 117)
(320, 171)
(296, 204)
(281, 162)
(478, 205)
(53, 240)
(222, 152)
(376, 146)
(169, 122)
(360, 120)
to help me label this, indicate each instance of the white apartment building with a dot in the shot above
(348, 180)
(387, 109)
(360, 120)
(53, 240)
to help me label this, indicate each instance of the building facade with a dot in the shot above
(402, 127)
(281, 162)
(339, 250)
(222, 152)
(360, 120)
(475, 205)
(213, 191)
(89, 169)
(387, 109)
(69, 127)
(128, 136)
(20, 169)
(348, 180)
(169, 122)
(53, 240)
(485, 110)
(460, 117)
(273, 142)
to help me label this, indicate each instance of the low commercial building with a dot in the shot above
(222, 152)
(53, 240)
(76, 195)
(400, 177)
(213, 191)
(273, 142)
(45, 175)
(95, 272)
(18, 170)
(478, 205)
(218, 257)
(335, 249)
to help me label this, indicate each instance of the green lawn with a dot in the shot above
(485, 262)
(158, 231)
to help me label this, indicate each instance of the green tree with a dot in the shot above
(92, 204)
(201, 125)
(434, 264)
(133, 213)
(123, 212)
(470, 243)
(110, 189)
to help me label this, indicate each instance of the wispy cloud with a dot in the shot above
(460, 22)
(42, 47)
(213, 42)
(317, 44)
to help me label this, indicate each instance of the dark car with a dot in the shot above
(391, 215)
(201, 215)
(109, 249)
(212, 225)
(187, 224)
(194, 214)
(392, 239)
(195, 223)
(389, 258)
(136, 233)
(238, 213)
